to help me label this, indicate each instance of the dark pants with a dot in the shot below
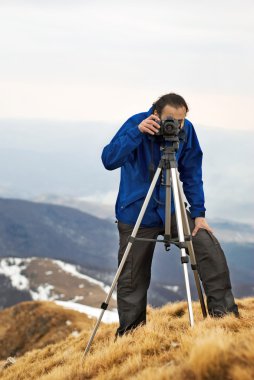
(134, 279)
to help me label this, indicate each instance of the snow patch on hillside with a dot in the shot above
(108, 316)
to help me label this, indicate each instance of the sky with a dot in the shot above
(107, 60)
(72, 72)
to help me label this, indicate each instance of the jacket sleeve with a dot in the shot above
(190, 172)
(121, 147)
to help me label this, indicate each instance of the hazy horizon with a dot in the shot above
(64, 160)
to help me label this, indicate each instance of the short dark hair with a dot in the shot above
(171, 99)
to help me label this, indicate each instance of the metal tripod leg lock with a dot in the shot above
(184, 242)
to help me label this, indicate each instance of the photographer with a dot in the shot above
(132, 150)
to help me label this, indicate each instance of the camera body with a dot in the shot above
(169, 127)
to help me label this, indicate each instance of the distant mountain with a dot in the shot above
(43, 230)
(29, 229)
(45, 279)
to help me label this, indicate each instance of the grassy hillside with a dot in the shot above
(35, 324)
(166, 348)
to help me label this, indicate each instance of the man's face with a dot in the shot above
(177, 113)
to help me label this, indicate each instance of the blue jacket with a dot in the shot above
(130, 150)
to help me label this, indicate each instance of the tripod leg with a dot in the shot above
(167, 235)
(186, 228)
(104, 305)
(184, 257)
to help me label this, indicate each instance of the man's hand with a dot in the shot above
(201, 222)
(149, 125)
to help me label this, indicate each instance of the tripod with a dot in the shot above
(169, 163)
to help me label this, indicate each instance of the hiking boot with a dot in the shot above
(219, 313)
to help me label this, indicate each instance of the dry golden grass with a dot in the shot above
(35, 324)
(165, 348)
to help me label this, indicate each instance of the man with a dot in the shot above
(132, 150)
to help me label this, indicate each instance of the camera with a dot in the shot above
(168, 127)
